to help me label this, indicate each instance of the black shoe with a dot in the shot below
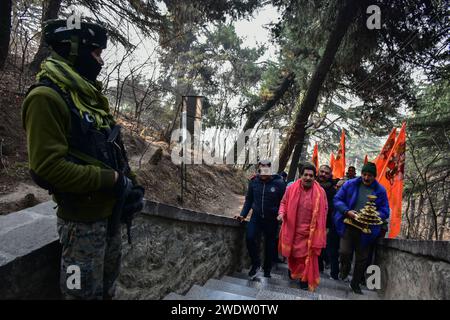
(267, 274)
(289, 274)
(355, 288)
(344, 277)
(252, 273)
(303, 285)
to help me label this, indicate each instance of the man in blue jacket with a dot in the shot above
(351, 198)
(264, 195)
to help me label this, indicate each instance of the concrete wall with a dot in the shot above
(413, 269)
(173, 249)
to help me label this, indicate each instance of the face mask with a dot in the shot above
(86, 65)
(265, 171)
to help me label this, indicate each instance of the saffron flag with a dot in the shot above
(366, 159)
(315, 157)
(384, 154)
(332, 161)
(392, 176)
(339, 162)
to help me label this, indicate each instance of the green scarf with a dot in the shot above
(86, 96)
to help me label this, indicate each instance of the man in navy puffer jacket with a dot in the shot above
(264, 195)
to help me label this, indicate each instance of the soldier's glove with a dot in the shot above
(122, 186)
(133, 203)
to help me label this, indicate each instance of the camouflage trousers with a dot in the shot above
(90, 260)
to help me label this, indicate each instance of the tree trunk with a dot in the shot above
(278, 93)
(300, 149)
(50, 10)
(431, 223)
(420, 222)
(408, 220)
(412, 229)
(444, 217)
(297, 132)
(5, 30)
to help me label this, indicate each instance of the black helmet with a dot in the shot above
(88, 34)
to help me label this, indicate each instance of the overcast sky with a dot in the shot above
(254, 32)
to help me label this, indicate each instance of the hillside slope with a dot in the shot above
(214, 189)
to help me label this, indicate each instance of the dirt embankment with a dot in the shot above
(215, 189)
(17, 191)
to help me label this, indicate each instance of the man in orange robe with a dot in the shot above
(303, 212)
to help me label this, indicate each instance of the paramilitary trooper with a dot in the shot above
(75, 151)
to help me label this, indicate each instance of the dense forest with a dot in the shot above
(329, 71)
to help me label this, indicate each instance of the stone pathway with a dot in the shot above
(279, 287)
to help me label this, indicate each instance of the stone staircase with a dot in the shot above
(278, 287)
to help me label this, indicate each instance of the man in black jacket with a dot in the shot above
(264, 195)
(331, 252)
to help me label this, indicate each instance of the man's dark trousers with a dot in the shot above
(352, 240)
(256, 227)
(275, 254)
(333, 251)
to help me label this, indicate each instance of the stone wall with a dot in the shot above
(29, 254)
(172, 249)
(412, 269)
(177, 248)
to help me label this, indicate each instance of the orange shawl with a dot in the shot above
(317, 230)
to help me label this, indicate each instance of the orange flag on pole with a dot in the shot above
(315, 157)
(339, 162)
(392, 176)
(332, 161)
(384, 154)
(366, 159)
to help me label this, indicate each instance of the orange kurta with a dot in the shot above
(303, 233)
(303, 222)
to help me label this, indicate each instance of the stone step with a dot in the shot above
(174, 296)
(274, 295)
(219, 285)
(279, 267)
(334, 285)
(202, 293)
(324, 280)
(276, 285)
(259, 294)
(260, 274)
